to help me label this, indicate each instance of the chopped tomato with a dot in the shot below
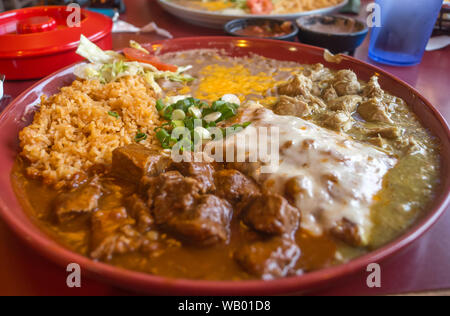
(260, 6)
(142, 57)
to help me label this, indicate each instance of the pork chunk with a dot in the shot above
(295, 106)
(134, 161)
(299, 85)
(81, 200)
(347, 103)
(373, 89)
(272, 214)
(346, 83)
(374, 110)
(388, 132)
(329, 94)
(269, 259)
(338, 121)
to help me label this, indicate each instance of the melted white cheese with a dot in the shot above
(337, 176)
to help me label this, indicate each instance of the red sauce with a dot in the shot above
(267, 29)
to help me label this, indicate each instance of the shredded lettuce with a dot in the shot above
(93, 53)
(150, 78)
(136, 45)
(108, 66)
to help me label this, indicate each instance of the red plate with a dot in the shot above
(35, 42)
(11, 123)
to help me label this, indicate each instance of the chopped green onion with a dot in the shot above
(113, 114)
(160, 105)
(213, 117)
(140, 137)
(202, 132)
(167, 112)
(187, 113)
(177, 123)
(195, 112)
(178, 115)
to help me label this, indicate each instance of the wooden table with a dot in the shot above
(424, 266)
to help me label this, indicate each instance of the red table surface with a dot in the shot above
(423, 266)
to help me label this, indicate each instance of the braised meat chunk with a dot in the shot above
(295, 106)
(299, 85)
(272, 214)
(134, 161)
(346, 83)
(235, 187)
(347, 232)
(79, 201)
(347, 103)
(329, 94)
(374, 110)
(338, 121)
(388, 132)
(139, 210)
(173, 194)
(373, 89)
(206, 223)
(180, 207)
(112, 233)
(270, 259)
(200, 171)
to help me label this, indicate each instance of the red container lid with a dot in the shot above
(36, 24)
(40, 31)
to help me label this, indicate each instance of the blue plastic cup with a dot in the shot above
(406, 27)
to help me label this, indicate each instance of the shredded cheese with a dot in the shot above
(218, 80)
(216, 6)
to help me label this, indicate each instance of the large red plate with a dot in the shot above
(11, 123)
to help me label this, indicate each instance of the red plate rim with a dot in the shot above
(142, 282)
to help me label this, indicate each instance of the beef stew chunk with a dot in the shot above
(272, 214)
(180, 206)
(269, 259)
(172, 194)
(200, 171)
(112, 233)
(134, 161)
(206, 223)
(235, 187)
(79, 201)
(139, 210)
(347, 232)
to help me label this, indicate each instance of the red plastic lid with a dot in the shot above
(36, 24)
(41, 31)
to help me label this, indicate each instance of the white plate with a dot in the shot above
(218, 20)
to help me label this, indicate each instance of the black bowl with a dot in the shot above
(235, 25)
(334, 40)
